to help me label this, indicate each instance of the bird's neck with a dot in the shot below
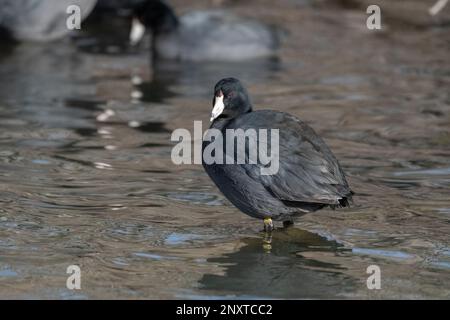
(222, 122)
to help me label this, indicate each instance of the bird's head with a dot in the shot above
(230, 99)
(154, 14)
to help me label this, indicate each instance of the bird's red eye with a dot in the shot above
(231, 94)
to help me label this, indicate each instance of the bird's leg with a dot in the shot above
(268, 225)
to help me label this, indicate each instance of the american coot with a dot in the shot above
(309, 177)
(202, 35)
(39, 20)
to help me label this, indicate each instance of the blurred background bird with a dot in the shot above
(39, 20)
(202, 34)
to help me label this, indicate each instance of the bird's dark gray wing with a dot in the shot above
(308, 171)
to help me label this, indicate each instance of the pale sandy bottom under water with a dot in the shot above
(105, 195)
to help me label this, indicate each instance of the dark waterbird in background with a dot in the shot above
(214, 35)
(39, 20)
(309, 177)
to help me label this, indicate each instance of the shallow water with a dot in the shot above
(83, 185)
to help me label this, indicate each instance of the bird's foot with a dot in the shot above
(268, 225)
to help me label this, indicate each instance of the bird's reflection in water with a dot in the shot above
(194, 79)
(276, 268)
(190, 78)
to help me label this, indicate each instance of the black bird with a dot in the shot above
(309, 176)
(202, 35)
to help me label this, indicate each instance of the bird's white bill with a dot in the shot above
(218, 108)
(137, 31)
